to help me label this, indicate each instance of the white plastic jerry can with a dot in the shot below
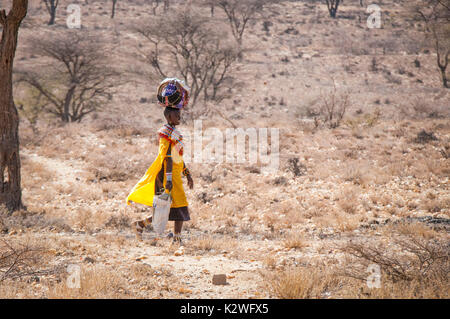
(161, 210)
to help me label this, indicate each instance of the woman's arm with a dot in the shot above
(169, 169)
(187, 173)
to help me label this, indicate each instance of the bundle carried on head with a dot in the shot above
(173, 93)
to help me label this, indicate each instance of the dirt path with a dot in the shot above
(193, 270)
(185, 274)
(65, 171)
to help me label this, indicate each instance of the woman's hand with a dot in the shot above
(190, 182)
(169, 185)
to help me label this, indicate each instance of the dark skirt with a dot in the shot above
(179, 214)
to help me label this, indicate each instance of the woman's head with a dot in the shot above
(172, 116)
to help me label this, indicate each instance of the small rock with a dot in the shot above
(89, 260)
(179, 252)
(219, 279)
(141, 258)
(34, 279)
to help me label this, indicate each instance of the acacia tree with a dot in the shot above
(51, 6)
(333, 6)
(186, 44)
(436, 14)
(239, 13)
(10, 182)
(81, 81)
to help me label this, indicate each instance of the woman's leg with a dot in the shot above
(177, 226)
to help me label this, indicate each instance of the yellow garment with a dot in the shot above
(144, 190)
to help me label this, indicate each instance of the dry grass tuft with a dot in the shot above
(295, 240)
(302, 283)
(96, 282)
(211, 244)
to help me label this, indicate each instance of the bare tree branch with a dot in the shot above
(83, 80)
(436, 15)
(190, 48)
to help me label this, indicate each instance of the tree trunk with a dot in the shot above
(333, 7)
(66, 112)
(442, 64)
(10, 181)
(444, 78)
(52, 17)
(155, 5)
(113, 8)
(333, 13)
(52, 14)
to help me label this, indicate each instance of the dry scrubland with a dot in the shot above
(374, 190)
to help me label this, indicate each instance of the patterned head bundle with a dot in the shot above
(174, 93)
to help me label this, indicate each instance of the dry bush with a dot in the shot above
(366, 121)
(122, 221)
(333, 107)
(356, 173)
(414, 229)
(84, 219)
(204, 243)
(96, 282)
(345, 223)
(19, 260)
(424, 167)
(435, 204)
(212, 244)
(348, 205)
(412, 266)
(296, 167)
(422, 107)
(141, 271)
(270, 261)
(295, 240)
(301, 283)
(425, 137)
